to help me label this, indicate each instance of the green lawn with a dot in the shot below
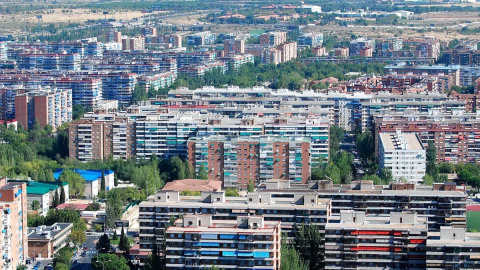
(473, 221)
(115, 242)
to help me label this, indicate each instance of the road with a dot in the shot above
(84, 262)
(43, 262)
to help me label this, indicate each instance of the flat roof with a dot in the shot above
(88, 175)
(389, 140)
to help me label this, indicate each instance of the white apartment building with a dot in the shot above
(403, 154)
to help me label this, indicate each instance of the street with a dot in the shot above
(43, 262)
(84, 262)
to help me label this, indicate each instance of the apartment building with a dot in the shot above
(7, 99)
(116, 85)
(67, 62)
(157, 80)
(366, 52)
(237, 160)
(357, 45)
(360, 241)
(50, 106)
(85, 91)
(236, 61)
(113, 36)
(45, 241)
(442, 205)
(234, 46)
(201, 38)
(342, 52)
(288, 50)
(149, 31)
(320, 51)
(273, 38)
(156, 212)
(399, 84)
(390, 44)
(133, 43)
(3, 50)
(310, 39)
(454, 136)
(174, 39)
(463, 57)
(100, 137)
(403, 154)
(13, 203)
(271, 56)
(452, 248)
(199, 70)
(452, 71)
(198, 241)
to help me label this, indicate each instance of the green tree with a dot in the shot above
(336, 136)
(155, 260)
(115, 236)
(102, 182)
(202, 173)
(76, 183)
(62, 195)
(250, 185)
(177, 168)
(124, 243)
(103, 244)
(366, 146)
(189, 172)
(114, 209)
(35, 205)
(97, 228)
(308, 243)
(78, 237)
(446, 168)
(115, 180)
(231, 192)
(22, 267)
(291, 259)
(61, 266)
(63, 257)
(386, 175)
(373, 177)
(56, 199)
(109, 262)
(428, 180)
(431, 153)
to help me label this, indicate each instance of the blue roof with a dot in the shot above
(88, 175)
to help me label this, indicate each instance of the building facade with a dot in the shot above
(198, 241)
(403, 154)
(48, 107)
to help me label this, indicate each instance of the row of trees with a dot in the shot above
(292, 75)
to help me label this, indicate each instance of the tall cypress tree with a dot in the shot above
(55, 199)
(123, 244)
(102, 183)
(62, 195)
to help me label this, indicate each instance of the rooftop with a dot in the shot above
(47, 232)
(34, 187)
(88, 175)
(400, 141)
(193, 185)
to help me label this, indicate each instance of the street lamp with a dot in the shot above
(103, 263)
(34, 254)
